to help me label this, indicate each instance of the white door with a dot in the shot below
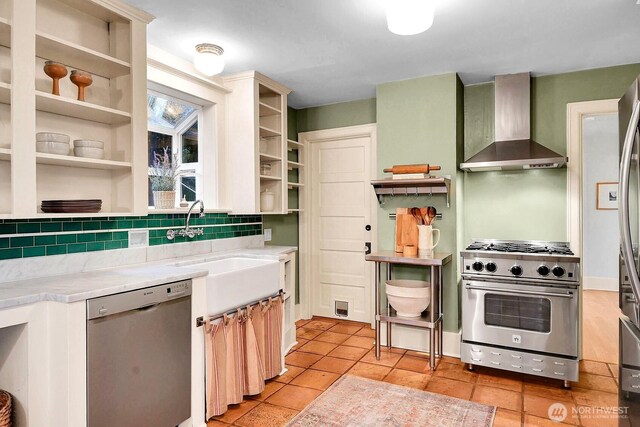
(342, 206)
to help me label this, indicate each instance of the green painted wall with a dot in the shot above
(419, 121)
(529, 204)
(337, 115)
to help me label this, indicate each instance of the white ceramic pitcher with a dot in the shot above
(426, 239)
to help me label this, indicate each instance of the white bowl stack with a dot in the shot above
(88, 148)
(52, 143)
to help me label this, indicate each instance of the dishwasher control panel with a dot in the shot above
(137, 299)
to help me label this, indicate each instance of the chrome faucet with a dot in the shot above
(188, 231)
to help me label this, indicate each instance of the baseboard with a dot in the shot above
(418, 339)
(600, 284)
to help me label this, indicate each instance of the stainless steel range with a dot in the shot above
(520, 305)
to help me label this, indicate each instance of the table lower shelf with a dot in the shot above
(424, 321)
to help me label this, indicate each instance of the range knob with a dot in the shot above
(477, 266)
(557, 271)
(491, 267)
(543, 270)
(516, 270)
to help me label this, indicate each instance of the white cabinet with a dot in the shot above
(257, 140)
(106, 39)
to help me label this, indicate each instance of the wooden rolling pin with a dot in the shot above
(400, 169)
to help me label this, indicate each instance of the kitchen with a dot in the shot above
(431, 116)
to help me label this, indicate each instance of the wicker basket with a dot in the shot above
(5, 409)
(164, 199)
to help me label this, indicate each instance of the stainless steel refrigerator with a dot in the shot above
(629, 215)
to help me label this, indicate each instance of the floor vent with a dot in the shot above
(342, 309)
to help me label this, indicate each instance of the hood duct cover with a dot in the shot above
(513, 148)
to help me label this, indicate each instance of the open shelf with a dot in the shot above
(5, 32)
(292, 185)
(268, 158)
(267, 110)
(80, 109)
(5, 93)
(294, 165)
(270, 178)
(100, 214)
(80, 162)
(5, 154)
(294, 145)
(412, 187)
(295, 210)
(389, 315)
(76, 56)
(267, 132)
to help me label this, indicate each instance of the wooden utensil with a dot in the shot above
(432, 214)
(406, 229)
(415, 212)
(422, 168)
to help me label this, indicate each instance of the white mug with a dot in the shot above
(426, 240)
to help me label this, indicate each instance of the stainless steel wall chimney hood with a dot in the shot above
(513, 147)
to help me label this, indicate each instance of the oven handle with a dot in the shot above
(569, 294)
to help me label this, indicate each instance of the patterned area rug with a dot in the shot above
(360, 402)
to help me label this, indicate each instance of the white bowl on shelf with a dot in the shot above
(89, 152)
(52, 137)
(87, 143)
(408, 297)
(52, 147)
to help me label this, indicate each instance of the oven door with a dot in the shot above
(527, 317)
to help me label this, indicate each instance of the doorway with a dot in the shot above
(336, 281)
(593, 175)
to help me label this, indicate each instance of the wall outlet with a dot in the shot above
(267, 234)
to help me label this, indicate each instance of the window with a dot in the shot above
(173, 126)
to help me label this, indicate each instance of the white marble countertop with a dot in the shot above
(70, 288)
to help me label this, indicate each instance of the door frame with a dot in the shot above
(576, 111)
(305, 254)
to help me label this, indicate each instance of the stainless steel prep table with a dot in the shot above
(432, 320)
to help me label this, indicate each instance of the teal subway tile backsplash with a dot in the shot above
(54, 236)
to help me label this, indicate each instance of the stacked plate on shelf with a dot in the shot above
(71, 206)
(52, 143)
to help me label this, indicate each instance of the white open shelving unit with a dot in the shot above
(257, 135)
(295, 174)
(106, 39)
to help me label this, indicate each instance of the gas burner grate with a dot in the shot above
(520, 247)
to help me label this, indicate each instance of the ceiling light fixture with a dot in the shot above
(208, 59)
(409, 17)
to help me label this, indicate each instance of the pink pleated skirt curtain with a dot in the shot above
(242, 351)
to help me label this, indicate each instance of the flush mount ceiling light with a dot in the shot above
(208, 59)
(409, 17)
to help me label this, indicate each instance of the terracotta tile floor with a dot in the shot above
(329, 348)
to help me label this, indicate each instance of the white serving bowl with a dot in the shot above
(52, 137)
(88, 143)
(89, 152)
(52, 147)
(408, 297)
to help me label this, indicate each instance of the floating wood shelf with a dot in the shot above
(412, 187)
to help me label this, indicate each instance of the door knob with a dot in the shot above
(367, 227)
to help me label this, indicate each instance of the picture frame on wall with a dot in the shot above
(606, 196)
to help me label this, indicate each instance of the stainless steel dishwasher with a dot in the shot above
(139, 357)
